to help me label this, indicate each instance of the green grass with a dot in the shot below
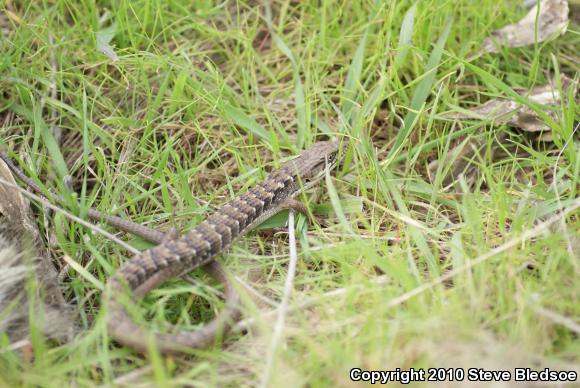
(206, 97)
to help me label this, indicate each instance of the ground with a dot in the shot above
(161, 111)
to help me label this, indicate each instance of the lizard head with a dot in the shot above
(310, 166)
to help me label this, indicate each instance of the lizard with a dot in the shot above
(177, 255)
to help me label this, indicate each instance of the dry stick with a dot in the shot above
(16, 346)
(130, 377)
(283, 308)
(531, 233)
(557, 318)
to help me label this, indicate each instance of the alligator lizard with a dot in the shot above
(175, 256)
(200, 245)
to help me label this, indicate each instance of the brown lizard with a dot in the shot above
(175, 256)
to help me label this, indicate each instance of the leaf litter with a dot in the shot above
(538, 25)
(545, 19)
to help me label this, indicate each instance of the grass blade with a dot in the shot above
(303, 119)
(353, 77)
(336, 204)
(405, 35)
(422, 92)
(246, 122)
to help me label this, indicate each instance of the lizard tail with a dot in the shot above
(127, 332)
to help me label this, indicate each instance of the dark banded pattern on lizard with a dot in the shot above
(199, 246)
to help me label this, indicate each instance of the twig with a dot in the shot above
(283, 308)
(557, 318)
(128, 378)
(16, 346)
